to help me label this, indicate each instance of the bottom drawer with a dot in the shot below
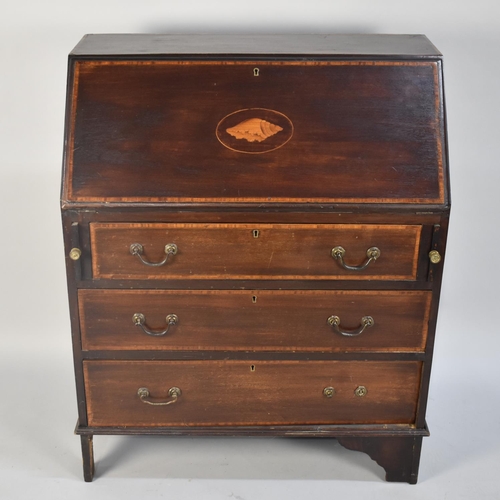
(251, 392)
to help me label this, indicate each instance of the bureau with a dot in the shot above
(255, 232)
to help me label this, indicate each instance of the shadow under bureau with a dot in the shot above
(255, 231)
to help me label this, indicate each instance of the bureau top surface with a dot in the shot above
(363, 127)
(142, 45)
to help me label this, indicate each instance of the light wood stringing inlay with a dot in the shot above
(218, 250)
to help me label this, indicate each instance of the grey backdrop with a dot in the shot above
(39, 456)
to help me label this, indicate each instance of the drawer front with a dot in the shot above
(211, 131)
(261, 251)
(254, 320)
(251, 393)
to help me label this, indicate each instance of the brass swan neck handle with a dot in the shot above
(366, 322)
(372, 255)
(138, 250)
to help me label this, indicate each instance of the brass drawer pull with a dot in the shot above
(366, 322)
(173, 392)
(140, 320)
(372, 253)
(328, 392)
(361, 391)
(138, 249)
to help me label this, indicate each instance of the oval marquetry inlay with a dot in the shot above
(254, 130)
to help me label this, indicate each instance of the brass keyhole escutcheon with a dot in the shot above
(361, 391)
(256, 72)
(254, 299)
(252, 368)
(328, 392)
(256, 233)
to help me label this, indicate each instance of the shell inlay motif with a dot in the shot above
(254, 130)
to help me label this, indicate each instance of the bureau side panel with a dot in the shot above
(73, 239)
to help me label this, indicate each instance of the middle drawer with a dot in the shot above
(270, 320)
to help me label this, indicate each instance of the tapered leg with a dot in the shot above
(399, 456)
(88, 457)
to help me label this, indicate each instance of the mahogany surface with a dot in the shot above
(182, 46)
(335, 140)
(145, 129)
(258, 320)
(251, 393)
(279, 251)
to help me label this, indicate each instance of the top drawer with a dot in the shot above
(260, 251)
(289, 131)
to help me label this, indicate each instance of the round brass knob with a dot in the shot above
(361, 391)
(435, 256)
(328, 392)
(75, 253)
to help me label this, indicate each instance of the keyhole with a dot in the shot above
(256, 72)
(256, 233)
(254, 299)
(252, 368)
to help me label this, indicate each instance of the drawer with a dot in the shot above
(260, 251)
(217, 393)
(254, 320)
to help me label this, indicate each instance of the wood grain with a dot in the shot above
(381, 46)
(360, 161)
(229, 393)
(254, 320)
(398, 455)
(230, 251)
(160, 117)
(315, 431)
